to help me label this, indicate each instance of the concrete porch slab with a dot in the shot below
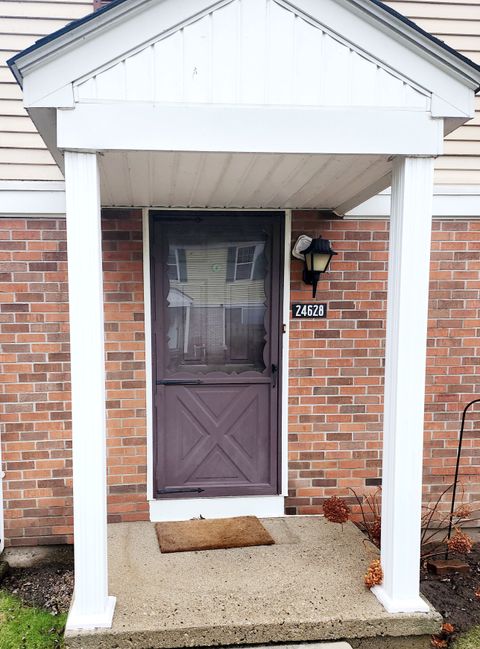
(308, 587)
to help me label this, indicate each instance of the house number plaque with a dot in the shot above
(309, 310)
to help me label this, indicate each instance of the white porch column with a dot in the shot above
(91, 607)
(408, 277)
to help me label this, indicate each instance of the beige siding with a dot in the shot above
(23, 155)
(207, 284)
(22, 22)
(458, 24)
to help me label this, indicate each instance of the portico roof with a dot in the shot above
(260, 104)
(245, 103)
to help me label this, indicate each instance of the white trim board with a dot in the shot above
(181, 509)
(32, 198)
(186, 508)
(148, 349)
(285, 351)
(37, 199)
(449, 201)
(106, 126)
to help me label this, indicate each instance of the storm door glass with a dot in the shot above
(216, 298)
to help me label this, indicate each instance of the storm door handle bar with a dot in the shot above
(179, 382)
(274, 375)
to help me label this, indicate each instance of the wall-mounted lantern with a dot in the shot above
(316, 255)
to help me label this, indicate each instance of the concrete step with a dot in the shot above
(305, 591)
(310, 645)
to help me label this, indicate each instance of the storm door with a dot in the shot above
(216, 304)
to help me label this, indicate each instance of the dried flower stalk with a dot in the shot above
(336, 510)
(460, 542)
(374, 576)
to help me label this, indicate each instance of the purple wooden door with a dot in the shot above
(216, 304)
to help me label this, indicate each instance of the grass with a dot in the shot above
(23, 627)
(469, 640)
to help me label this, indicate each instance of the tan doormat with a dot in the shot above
(212, 534)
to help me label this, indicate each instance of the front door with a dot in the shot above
(216, 298)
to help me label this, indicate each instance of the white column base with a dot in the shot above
(415, 605)
(77, 621)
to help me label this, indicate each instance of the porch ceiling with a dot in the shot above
(240, 180)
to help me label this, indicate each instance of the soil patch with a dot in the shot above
(49, 586)
(454, 596)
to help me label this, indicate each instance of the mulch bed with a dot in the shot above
(48, 586)
(453, 595)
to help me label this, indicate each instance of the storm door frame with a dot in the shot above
(270, 505)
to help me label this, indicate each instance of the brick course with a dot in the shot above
(336, 368)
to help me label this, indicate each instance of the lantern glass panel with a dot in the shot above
(319, 261)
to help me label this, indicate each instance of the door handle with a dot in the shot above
(274, 375)
(179, 382)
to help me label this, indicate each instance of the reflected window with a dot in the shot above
(244, 262)
(216, 301)
(177, 265)
(172, 264)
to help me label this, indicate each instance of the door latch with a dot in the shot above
(274, 375)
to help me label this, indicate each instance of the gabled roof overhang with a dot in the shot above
(80, 99)
(394, 24)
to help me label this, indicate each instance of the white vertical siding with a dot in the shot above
(457, 22)
(252, 52)
(23, 156)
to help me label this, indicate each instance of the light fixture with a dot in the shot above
(316, 254)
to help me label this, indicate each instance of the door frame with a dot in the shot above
(180, 509)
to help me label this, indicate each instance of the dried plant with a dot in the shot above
(370, 510)
(443, 638)
(434, 540)
(435, 522)
(374, 576)
(336, 510)
(460, 542)
(463, 511)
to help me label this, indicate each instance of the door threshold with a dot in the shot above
(187, 508)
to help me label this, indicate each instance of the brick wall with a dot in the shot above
(337, 365)
(34, 376)
(125, 365)
(335, 379)
(34, 381)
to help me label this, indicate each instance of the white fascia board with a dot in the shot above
(437, 53)
(397, 45)
(61, 98)
(441, 108)
(45, 120)
(449, 201)
(32, 198)
(102, 40)
(247, 129)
